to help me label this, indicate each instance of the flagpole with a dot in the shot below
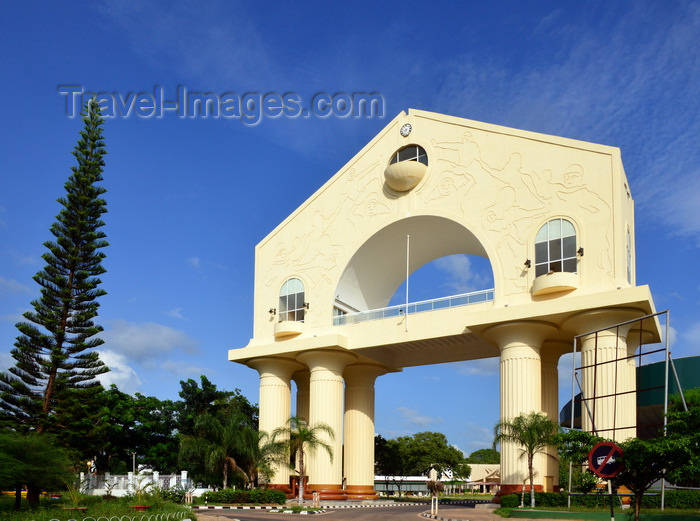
(408, 246)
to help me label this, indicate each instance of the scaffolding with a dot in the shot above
(644, 349)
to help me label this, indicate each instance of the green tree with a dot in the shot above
(138, 424)
(648, 461)
(416, 455)
(534, 432)
(56, 364)
(156, 443)
(686, 423)
(39, 462)
(295, 440)
(426, 450)
(197, 401)
(574, 446)
(390, 459)
(223, 445)
(257, 462)
(488, 456)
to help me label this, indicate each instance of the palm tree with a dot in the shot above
(258, 463)
(533, 432)
(223, 445)
(295, 440)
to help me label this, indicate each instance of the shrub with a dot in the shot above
(175, 494)
(275, 496)
(510, 501)
(556, 499)
(683, 499)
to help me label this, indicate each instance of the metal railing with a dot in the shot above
(463, 299)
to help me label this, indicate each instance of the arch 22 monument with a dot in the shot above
(555, 218)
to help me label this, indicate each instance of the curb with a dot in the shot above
(324, 506)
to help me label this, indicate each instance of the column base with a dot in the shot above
(360, 492)
(515, 489)
(334, 492)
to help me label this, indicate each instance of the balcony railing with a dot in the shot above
(454, 301)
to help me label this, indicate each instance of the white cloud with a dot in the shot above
(12, 286)
(120, 374)
(690, 338)
(182, 370)
(212, 40)
(12, 318)
(147, 341)
(412, 416)
(673, 334)
(479, 437)
(682, 213)
(462, 275)
(23, 259)
(605, 84)
(175, 313)
(6, 361)
(194, 262)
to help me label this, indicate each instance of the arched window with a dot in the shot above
(410, 153)
(292, 301)
(555, 247)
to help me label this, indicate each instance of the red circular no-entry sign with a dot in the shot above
(605, 459)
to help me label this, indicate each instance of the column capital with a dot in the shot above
(529, 332)
(551, 350)
(637, 337)
(363, 374)
(597, 319)
(330, 359)
(277, 366)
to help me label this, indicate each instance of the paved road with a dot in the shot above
(400, 513)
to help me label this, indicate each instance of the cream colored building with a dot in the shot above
(555, 218)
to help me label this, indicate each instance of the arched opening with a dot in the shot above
(380, 266)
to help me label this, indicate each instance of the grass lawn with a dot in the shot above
(60, 509)
(506, 512)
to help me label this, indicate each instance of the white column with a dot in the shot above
(326, 406)
(521, 389)
(550, 353)
(275, 403)
(607, 382)
(359, 429)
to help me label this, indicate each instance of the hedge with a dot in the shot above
(556, 499)
(256, 495)
(682, 499)
(688, 499)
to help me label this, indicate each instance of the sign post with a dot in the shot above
(605, 461)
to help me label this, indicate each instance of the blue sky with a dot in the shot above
(189, 198)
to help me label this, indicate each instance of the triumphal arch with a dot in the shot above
(555, 218)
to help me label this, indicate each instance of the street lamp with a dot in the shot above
(133, 456)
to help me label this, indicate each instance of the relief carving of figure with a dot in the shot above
(571, 189)
(363, 194)
(509, 225)
(452, 186)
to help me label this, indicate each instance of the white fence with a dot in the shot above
(123, 485)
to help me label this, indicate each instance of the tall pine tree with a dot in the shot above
(56, 364)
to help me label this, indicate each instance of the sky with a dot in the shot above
(190, 197)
